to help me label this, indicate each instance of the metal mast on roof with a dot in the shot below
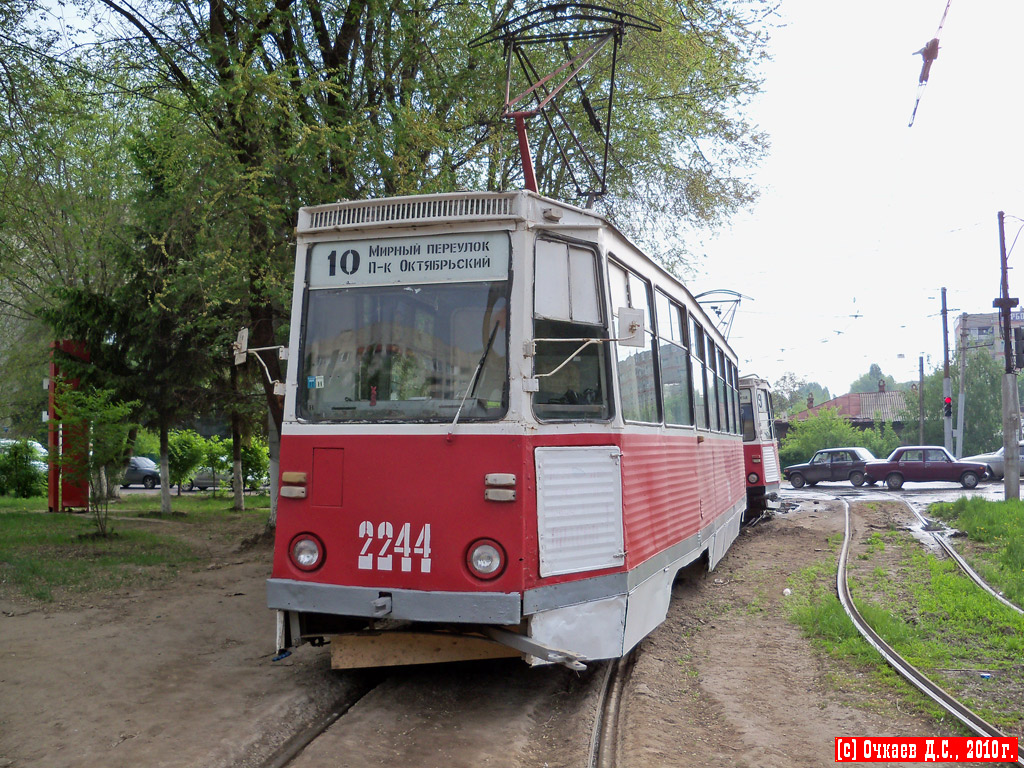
(724, 304)
(561, 23)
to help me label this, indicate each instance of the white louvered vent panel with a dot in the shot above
(771, 465)
(579, 509)
(408, 210)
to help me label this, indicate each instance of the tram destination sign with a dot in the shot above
(465, 257)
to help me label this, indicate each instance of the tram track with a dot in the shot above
(915, 677)
(604, 736)
(289, 751)
(604, 741)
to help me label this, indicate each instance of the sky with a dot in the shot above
(862, 220)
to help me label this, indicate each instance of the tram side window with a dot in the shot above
(700, 384)
(572, 381)
(764, 414)
(733, 402)
(675, 362)
(711, 384)
(638, 386)
(723, 402)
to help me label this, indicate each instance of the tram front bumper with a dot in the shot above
(399, 604)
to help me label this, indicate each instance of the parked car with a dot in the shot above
(994, 462)
(141, 471)
(206, 479)
(830, 464)
(924, 464)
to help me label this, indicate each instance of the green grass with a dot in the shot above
(996, 528)
(44, 556)
(41, 554)
(934, 617)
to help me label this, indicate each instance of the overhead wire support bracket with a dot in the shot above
(929, 53)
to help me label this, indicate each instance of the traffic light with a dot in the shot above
(947, 406)
(1018, 347)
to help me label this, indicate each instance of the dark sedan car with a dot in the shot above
(830, 464)
(141, 471)
(924, 464)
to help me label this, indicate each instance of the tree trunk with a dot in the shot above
(239, 484)
(236, 444)
(165, 472)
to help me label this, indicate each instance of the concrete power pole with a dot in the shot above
(947, 389)
(1011, 406)
(920, 399)
(960, 396)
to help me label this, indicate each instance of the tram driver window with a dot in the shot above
(572, 378)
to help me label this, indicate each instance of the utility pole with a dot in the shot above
(960, 395)
(920, 399)
(947, 390)
(1011, 407)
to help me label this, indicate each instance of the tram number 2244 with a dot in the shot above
(379, 553)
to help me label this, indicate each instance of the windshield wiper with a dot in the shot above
(472, 382)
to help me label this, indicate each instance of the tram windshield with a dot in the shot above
(405, 353)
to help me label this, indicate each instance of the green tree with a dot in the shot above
(255, 462)
(98, 414)
(64, 174)
(868, 383)
(186, 450)
(827, 429)
(19, 475)
(790, 394)
(217, 459)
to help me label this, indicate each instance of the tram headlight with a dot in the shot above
(307, 552)
(486, 559)
(753, 477)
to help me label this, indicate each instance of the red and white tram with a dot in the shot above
(760, 448)
(503, 422)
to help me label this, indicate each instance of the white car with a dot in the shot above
(994, 461)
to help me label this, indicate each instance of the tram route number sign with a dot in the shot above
(383, 550)
(464, 257)
(954, 749)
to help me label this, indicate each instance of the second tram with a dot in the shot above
(760, 448)
(505, 428)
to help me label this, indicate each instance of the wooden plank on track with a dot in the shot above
(391, 649)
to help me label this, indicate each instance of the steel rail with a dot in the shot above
(286, 753)
(914, 676)
(604, 738)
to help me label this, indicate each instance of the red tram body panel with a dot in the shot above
(502, 420)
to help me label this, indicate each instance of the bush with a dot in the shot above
(20, 475)
(255, 462)
(827, 429)
(186, 451)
